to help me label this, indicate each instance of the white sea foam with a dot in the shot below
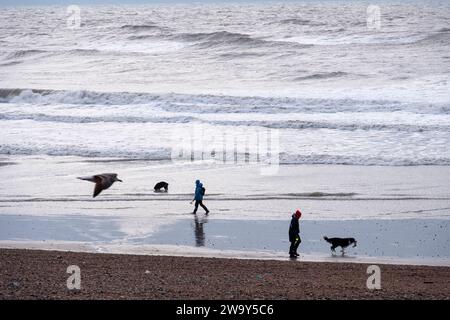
(148, 126)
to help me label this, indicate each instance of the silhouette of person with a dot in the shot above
(294, 234)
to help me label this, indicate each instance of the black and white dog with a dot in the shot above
(340, 242)
(161, 185)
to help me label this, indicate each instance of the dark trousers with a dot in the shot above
(199, 202)
(295, 242)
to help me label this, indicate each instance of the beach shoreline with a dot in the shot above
(191, 252)
(397, 215)
(41, 274)
(423, 241)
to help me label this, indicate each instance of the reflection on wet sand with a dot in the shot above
(199, 231)
(421, 241)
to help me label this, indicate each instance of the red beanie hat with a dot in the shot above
(298, 214)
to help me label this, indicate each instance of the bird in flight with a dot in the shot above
(102, 181)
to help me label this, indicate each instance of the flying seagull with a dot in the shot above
(102, 181)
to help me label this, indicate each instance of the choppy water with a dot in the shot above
(132, 79)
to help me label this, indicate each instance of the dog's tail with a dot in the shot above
(326, 239)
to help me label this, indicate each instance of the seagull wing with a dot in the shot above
(98, 186)
(89, 178)
(103, 181)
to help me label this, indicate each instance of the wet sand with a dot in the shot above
(407, 241)
(39, 274)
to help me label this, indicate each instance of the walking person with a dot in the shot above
(198, 197)
(294, 234)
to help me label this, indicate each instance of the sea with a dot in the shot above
(337, 89)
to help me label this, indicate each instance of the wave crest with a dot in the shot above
(206, 103)
(219, 38)
(322, 75)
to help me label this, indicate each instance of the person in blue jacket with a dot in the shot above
(198, 196)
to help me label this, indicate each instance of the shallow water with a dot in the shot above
(48, 186)
(421, 241)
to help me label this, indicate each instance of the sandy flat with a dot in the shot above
(35, 274)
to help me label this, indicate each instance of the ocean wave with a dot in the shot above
(141, 27)
(273, 124)
(164, 154)
(141, 197)
(9, 63)
(161, 154)
(219, 38)
(322, 75)
(80, 119)
(42, 96)
(203, 103)
(441, 36)
(298, 124)
(301, 22)
(20, 54)
(237, 55)
(80, 51)
(145, 31)
(319, 194)
(141, 37)
(289, 159)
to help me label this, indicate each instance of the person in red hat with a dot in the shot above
(294, 234)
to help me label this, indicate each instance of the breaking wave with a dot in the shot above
(221, 38)
(164, 154)
(441, 36)
(288, 124)
(19, 54)
(161, 154)
(323, 75)
(143, 27)
(302, 22)
(206, 103)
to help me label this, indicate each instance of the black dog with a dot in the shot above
(340, 242)
(160, 185)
